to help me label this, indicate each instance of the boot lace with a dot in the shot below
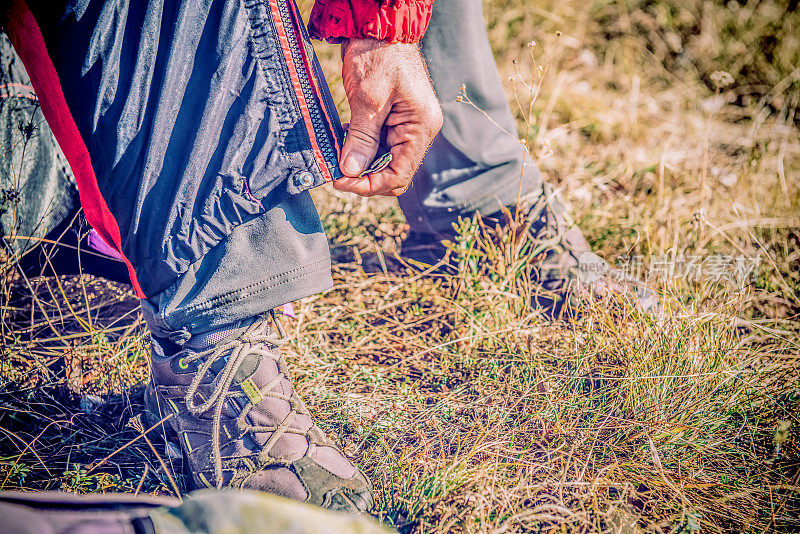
(261, 340)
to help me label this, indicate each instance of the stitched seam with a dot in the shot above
(205, 303)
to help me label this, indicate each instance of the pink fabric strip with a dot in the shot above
(95, 241)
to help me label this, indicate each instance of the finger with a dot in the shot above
(359, 186)
(398, 191)
(385, 183)
(369, 186)
(407, 153)
(363, 136)
(396, 177)
(410, 135)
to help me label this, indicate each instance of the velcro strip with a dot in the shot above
(251, 391)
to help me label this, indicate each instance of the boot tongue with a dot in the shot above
(247, 368)
(163, 349)
(208, 339)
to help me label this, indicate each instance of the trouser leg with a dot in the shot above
(473, 165)
(37, 191)
(279, 257)
(194, 130)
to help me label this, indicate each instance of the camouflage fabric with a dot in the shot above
(202, 512)
(249, 512)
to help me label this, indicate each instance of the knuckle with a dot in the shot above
(403, 182)
(399, 191)
(436, 118)
(431, 119)
(362, 135)
(364, 98)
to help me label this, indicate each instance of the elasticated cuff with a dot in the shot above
(394, 21)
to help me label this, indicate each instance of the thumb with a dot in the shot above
(361, 143)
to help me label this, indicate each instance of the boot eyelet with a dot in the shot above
(182, 364)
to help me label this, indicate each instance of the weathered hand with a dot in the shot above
(390, 92)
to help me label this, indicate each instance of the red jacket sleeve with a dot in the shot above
(395, 21)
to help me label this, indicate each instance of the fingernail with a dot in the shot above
(354, 163)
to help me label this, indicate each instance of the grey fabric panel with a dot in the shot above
(473, 165)
(37, 189)
(190, 117)
(279, 257)
(23, 520)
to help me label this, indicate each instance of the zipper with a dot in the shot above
(319, 113)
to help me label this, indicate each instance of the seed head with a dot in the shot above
(721, 79)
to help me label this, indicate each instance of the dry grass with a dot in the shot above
(471, 411)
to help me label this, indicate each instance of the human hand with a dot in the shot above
(389, 92)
